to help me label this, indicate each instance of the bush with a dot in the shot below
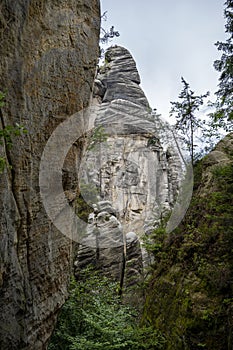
(95, 318)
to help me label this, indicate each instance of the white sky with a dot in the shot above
(169, 39)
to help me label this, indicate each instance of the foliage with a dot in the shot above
(98, 136)
(107, 35)
(153, 242)
(189, 297)
(223, 116)
(95, 318)
(7, 133)
(186, 120)
(87, 197)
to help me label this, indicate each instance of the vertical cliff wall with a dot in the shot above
(136, 168)
(134, 164)
(48, 56)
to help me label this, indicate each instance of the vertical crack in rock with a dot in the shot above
(138, 168)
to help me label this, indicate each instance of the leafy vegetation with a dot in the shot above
(189, 298)
(94, 317)
(187, 123)
(7, 133)
(98, 136)
(106, 35)
(87, 197)
(223, 114)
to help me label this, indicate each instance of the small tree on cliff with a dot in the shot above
(106, 35)
(187, 123)
(224, 103)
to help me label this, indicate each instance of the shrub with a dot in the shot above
(94, 317)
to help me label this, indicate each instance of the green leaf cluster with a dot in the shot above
(224, 105)
(7, 133)
(187, 122)
(94, 317)
(189, 295)
(98, 136)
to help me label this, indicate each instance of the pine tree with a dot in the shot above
(224, 104)
(187, 122)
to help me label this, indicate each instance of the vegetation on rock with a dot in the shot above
(190, 293)
(187, 122)
(6, 134)
(223, 114)
(94, 317)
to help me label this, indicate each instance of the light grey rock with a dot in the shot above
(103, 244)
(121, 78)
(133, 273)
(140, 164)
(105, 248)
(138, 169)
(134, 264)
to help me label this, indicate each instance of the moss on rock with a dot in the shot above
(190, 296)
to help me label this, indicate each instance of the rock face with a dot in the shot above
(189, 298)
(103, 245)
(113, 254)
(136, 168)
(48, 51)
(135, 163)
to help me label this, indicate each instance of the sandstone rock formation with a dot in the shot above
(112, 253)
(138, 168)
(134, 266)
(49, 52)
(103, 244)
(135, 164)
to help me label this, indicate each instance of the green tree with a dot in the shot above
(187, 123)
(223, 114)
(98, 136)
(94, 317)
(106, 35)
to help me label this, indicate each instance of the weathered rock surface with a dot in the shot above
(48, 52)
(112, 253)
(103, 244)
(138, 168)
(190, 296)
(134, 263)
(135, 164)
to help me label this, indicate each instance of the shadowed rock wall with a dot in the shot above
(48, 56)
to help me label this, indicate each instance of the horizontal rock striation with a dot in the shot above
(103, 245)
(134, 162)
(139, 167)
(48, 53)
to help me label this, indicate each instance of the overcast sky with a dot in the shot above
(169, 39)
